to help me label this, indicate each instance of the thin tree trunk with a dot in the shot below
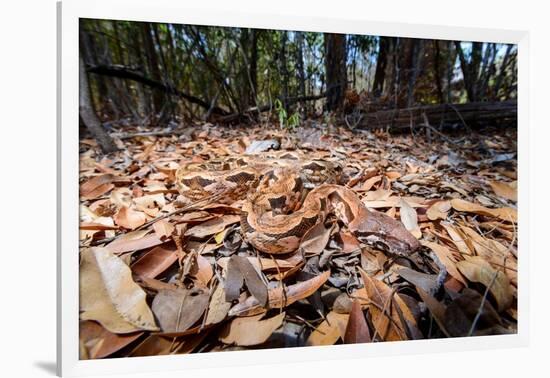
(437, 71)
(88, 115)
(153, 66)
(381, 62)
(335, 66)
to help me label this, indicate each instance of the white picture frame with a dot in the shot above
(69, 12)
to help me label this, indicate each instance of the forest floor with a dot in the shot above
(153, 284)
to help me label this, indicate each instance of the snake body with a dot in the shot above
(285, 195)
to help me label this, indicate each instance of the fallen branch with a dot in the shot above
(124, 72)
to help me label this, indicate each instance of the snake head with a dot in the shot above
(386, 233)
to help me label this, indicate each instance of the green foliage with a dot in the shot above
(286, 121)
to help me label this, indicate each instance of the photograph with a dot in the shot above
(247, 189)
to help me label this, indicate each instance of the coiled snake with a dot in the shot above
(285, 195)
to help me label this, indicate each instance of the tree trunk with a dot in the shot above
(381, 62)
(88, 115)
(335, 67)
(158, 97)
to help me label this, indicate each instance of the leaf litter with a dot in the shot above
(162, 276)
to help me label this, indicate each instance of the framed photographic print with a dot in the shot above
(253, 187)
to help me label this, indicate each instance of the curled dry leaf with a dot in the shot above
(109, 296)
(212, 226)
(247, 331)
(96, 186)
(446, 258)
(330, 330)
(155, 261)
(357, 330)
(507, 214)
(504, 190)
(315, 239)
(438, 210)
(280, 299)
(477, 269)
(409, 218)
(218, 307)
(384, 309)
(163, 228)
(134, 242)
(101, 343)
(130, 219)
(239, 268)
(177, 310)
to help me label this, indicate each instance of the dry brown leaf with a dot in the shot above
(446, 258)
(212, 226)
(177, 310)
(278, 299)
(247, 331)
(368, 184)
(239, 270)
(330, 330)
(218, 307)
(477, 269)
(458, 238)
(101, 343)
(438, 210)
(109, 296)
(409, 218)
(315, 239)
(163, 228)
(384, 312)
(96, 186)
(137, 242)
(357, 330)
(155, 261)
(504, 190)
(130, 219)
(505, 213)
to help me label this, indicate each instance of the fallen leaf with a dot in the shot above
(155, 261)
(280, 299)
(212, 226)
(177, 310)
(357, 330)
(122, 245)
(477, 269)
(96, 186)
(384, 311)
(315, 239)
(163, 229)
(218, 307)
(109, 296)
(445, 256)
(247, 331)
(130, 219)
(438, 210)
(505, 213)
(409, 218)
(239, 268)
(504, 190)
(101, 343)
(330, 330)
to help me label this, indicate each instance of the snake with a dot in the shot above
(286, 194)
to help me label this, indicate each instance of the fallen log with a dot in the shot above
(468, 114)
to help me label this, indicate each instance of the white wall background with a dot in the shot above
(27, 187)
